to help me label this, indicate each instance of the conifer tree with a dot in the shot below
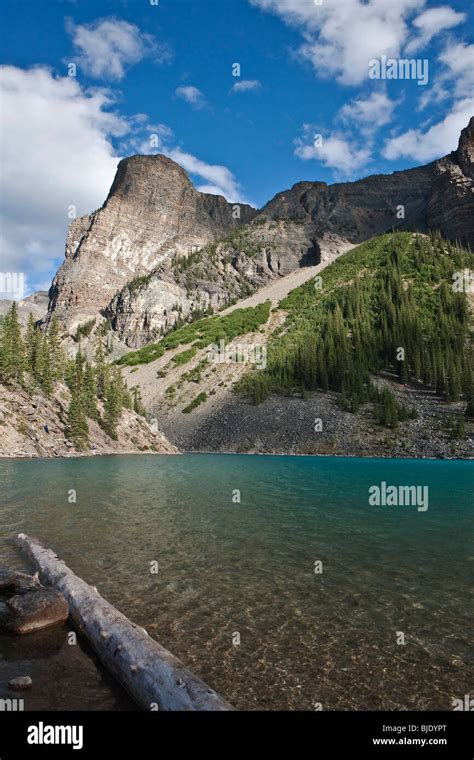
(102, 369)
(57, 358)
(12, 348)
(32, 340)
(77, 427)
(43, 365)
(126, 399)
(137, 402)
(90, 393)
(112, 407)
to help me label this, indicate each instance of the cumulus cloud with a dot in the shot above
(441, 138)
(247, 85)
(334, 152)
(370, 113)
(340, 38)
(455, 78)
(430, 23)
(192, 95)
(107, 47)
(57, 151)
(458, 59)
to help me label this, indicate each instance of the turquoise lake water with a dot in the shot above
(230, 571)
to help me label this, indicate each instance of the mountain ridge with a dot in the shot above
(158, 251)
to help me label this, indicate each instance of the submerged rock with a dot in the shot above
(12, 583)
(34, 610)
(22, 683)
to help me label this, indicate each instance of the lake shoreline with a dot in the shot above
(204, 452)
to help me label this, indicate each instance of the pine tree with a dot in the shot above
(69, 372)
(102, 369)
(43, 365)
(388, 412)
(355, 403)
(112, 408)
(55, 347)
(12, 348)
(126, 399)
(454, 381)
(137, 402)
(90, 393)
(77, 428)
(32, 341)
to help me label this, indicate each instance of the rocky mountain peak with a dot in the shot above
(127, 257)
(465, 151)
(151, 213)
(153, 174)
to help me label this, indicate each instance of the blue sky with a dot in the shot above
(163, 74)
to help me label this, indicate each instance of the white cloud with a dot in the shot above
(191, 95)
(247, 85)
(432, 22)
(455, 79)
(220, 180)
(437, 141)
(107, 47)
(341, 37)
(458, 58)
(55, 153)
(335, 152)
(369, 113)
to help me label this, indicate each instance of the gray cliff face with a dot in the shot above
(211, 278)
(152, 213)
(158, 250)
(357, 210)
(451, 204)
(465, 151)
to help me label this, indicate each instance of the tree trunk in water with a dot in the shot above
(151, 675)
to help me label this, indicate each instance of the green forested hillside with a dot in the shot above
(202, 333)
(396, 303)
(36, 361)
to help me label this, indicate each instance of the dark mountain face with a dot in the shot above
(438, 196)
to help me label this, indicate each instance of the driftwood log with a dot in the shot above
(154, 677)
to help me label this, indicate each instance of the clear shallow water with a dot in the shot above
(226, 567)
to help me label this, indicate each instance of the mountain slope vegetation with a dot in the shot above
(202, 333)
(398, 304)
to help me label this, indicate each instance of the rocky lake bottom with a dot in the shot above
(276, 579)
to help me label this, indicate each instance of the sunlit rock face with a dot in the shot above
(152, 213)
(159, 250)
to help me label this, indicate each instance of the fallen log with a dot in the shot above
(154, 677)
